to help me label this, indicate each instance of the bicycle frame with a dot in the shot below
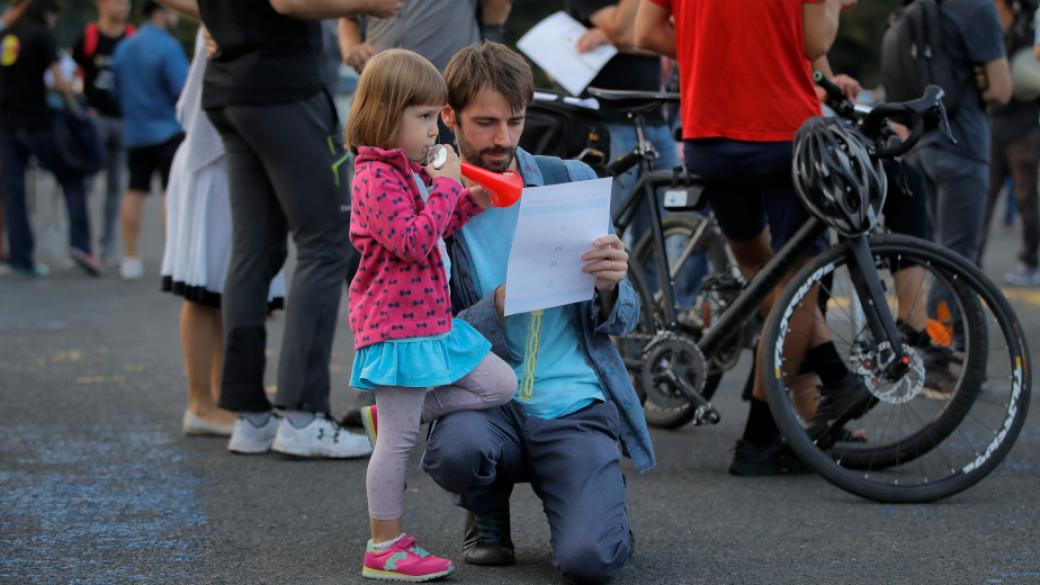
(865, 278)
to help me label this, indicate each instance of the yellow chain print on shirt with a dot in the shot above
(9, 49)
(534, 336)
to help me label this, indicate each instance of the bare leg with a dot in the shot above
(197, 344)
(910, 291)
(130, 220)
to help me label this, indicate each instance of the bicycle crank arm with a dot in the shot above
(704, 412)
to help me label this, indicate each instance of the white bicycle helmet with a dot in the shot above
(835, 176)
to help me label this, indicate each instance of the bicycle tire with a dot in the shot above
(878, 484)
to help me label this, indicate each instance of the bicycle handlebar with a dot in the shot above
(918, 115)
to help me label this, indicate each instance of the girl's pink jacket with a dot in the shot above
(400, 289)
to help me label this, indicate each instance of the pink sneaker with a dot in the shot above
(404, 561)
(370, 419)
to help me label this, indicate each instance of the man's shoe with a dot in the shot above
(131, 269)
(487, 541)
(249, 439)
(370, 420)
(776, 458)
(404, 560)
(194, 425)
(838, 405)
(321, 438)
(1023, 276)
(37, 270)
(86, 261)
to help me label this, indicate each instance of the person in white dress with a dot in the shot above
(198, 248)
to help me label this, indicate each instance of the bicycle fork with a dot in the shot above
(893, 359)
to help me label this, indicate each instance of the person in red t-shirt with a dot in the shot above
(746, 86)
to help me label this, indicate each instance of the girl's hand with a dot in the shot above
(481, 196)
(451, 168)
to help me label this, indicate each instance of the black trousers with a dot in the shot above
(286, 168)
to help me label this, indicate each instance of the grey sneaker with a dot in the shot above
(1023, 276)
(321, 438)
(249, 439)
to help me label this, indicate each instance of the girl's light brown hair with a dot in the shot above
(392, 81)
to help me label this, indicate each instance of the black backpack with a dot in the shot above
(555, 126)
(913, 56)
(78, 142)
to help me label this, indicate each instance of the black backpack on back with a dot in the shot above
(913, 56)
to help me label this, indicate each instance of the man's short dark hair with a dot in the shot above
(489, 65)
(149, 7)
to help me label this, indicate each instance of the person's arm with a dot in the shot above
(354, 52)
(189, 8)
(985, 47)
(493, 17)
(820, 23)
(175, 71)
(653, 29)
(997, 84)
(322, 9)
(617, 23)
(11, 13)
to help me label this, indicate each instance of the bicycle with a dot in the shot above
(920, 446)
(683, 235)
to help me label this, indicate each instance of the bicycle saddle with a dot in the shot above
(618, 99)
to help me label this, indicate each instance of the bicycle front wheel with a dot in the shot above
(944, 424)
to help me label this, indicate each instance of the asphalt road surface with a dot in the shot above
(97, 485)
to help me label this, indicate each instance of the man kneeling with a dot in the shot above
(565, 429)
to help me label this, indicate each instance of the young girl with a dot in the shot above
(400, 310)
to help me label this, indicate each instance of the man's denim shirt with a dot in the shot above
(595, 332)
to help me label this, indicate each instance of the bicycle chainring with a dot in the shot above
(670, 362)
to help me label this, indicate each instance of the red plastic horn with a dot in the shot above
(504, 187)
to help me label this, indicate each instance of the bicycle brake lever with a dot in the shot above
(944, 122)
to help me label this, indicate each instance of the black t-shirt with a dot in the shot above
(265, 58)
(27, 50)
(624, 71)
(97, 72)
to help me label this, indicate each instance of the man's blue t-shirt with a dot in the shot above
(150, 69)
(972, 36)
(564, 381)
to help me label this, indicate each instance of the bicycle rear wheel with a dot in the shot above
(942, 426)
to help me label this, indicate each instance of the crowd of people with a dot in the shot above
(247, 149)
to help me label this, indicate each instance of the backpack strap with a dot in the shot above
(90, 39)
(554, 170)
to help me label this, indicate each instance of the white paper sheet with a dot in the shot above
(557, 224)
(552, 45)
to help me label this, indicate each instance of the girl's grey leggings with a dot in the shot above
(401, 410)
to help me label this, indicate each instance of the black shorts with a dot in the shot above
(145, 161)
(751, 188)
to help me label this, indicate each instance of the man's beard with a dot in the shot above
(477, 156)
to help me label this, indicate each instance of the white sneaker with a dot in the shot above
(1023, 276)
(249, 439)
(131, 269)
(323, 437)
(193, 425)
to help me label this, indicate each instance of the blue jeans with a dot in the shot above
(622, 141)
(573, 463)
(111, 132)
(15, 150)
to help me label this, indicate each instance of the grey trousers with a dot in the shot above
(110, 130)
(286, 177)
(1018, 158)
(573, 463)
